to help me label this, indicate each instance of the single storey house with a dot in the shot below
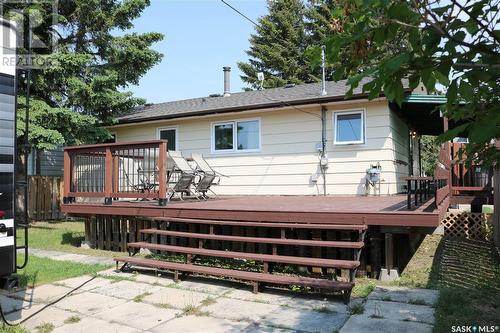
(294, 140)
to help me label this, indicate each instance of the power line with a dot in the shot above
(240, 13)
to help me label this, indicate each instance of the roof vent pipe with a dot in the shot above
(227, 81)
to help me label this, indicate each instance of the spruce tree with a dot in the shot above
(277, 47)
(93, 62)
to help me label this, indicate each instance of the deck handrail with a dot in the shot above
(116, 170)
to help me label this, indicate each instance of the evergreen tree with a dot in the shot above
(92, 64)
(277, 48)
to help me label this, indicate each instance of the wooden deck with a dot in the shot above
(373, 210)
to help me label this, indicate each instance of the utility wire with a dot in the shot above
(240, 13)
(264, 95)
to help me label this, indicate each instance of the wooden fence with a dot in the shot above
(468, 225)
(45, 195)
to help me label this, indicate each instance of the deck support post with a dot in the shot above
(389, 251)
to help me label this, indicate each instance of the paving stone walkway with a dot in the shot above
(147, 303)
(126, 302)
(395, 309)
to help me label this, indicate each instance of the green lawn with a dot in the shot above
(45, 270)
(63, 236)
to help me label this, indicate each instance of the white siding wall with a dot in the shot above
(400, 141)
(288, 157)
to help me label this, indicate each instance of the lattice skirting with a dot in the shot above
(476, 226)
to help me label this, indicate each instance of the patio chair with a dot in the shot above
(208, 176)
(136, 177)
(181, 176)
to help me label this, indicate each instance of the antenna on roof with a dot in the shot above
(260, 77)
(323, 78)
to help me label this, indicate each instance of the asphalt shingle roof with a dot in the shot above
(247, 100)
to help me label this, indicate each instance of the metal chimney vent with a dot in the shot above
(227, 81)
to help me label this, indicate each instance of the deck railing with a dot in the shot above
(468, 178)
(116, 170)
(420, 189)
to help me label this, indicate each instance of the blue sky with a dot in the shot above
(201, 36)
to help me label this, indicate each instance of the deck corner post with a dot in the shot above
(108, 176)
(162, 173)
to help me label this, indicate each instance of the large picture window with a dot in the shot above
(349, 127)
(236, 136)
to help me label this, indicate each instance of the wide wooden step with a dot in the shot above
(289, 225)
(301, 261)
(261, 240)
(240, 275)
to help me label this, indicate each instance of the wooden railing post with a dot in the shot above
(108, 177)
(162, 174)
(67, 177)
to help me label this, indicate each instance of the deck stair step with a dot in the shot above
(262, 240)
(287, 225)
(302, 261)
(238, 274)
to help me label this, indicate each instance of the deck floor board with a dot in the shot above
(373, 210)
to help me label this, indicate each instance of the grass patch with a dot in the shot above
(44, 270)
(468, 277)
(117, 278)
(65, 236)
(208, 301)
(140, 298)
(192, 310)
(363, 287)
(420, 273)
(357, 308)
(45, 328)
(15, 329)
(72, 320)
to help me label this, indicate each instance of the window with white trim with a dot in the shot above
(169, 134)
(349, 127)
(236, 136)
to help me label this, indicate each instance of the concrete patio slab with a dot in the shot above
(208, 285)
(319, 302)
(177, 298)
(239, 310)
(305, 320)
(405, 295)
(42, 294)
(138, 315)
(362, 323)
(10, 304)
(89, 303)
(95, 325)
(50, 315)
(195, 324)
(399, 311)
(268, 296)
(87, 285)
(126, 289)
